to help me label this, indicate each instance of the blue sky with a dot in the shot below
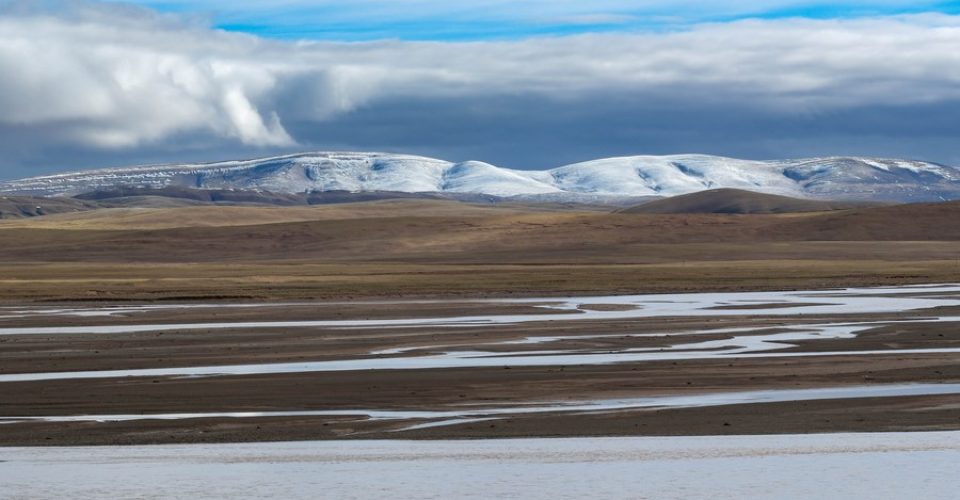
(497, 19)
(521, 84)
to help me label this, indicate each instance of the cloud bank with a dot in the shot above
(99, 84)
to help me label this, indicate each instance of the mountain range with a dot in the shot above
(604, 180)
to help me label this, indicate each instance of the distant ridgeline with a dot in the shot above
(618, 181)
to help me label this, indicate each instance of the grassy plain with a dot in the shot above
(428, 248)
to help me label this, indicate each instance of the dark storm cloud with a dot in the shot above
(98, 85)
(535, 132)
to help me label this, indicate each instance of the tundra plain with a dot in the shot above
(295, 272)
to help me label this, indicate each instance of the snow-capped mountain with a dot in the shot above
(634, 176)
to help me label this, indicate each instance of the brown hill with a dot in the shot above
(430, 231)
(736, 201)
(16, 207)
(425, 247)
(145, 217)
(909, 222)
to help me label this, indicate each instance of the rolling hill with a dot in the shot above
(610, 180)
(436, 247)
(736, 201)
(16, 207)
(444, 231)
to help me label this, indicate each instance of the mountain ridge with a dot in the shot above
(855, 178)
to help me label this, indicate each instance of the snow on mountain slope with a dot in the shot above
(479, 177)
(672, 175)
(284, 174)
(867, 178)
(634, 176)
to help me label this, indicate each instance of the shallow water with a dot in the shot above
(108, 311)
(876, 466)
(477, 413)
(847, 301)
(748, 345)
(890, 465)
(743, 342)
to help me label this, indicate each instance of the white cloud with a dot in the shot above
(119, 79)
(115, 77)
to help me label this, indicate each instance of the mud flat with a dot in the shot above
(861, 359)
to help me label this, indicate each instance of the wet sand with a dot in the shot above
(910, 335)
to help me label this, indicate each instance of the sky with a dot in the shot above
(522, 84)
